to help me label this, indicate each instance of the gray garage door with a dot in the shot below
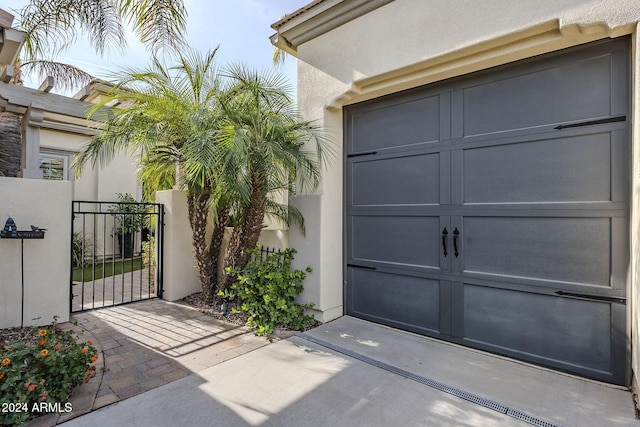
(492, 211)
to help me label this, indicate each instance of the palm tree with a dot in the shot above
(269, 148)
(52, 26)
(171, 118)
(228, 140)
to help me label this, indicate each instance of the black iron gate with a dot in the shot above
(116, 253)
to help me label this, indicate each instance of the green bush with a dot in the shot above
(81, 249)
(32, 375)
(128, 214)
(266, 290)
(149, 258)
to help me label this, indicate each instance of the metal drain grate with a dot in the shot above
(470, 397)
(529, 419)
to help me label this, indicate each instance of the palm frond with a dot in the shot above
(66, 76)
(159, 23)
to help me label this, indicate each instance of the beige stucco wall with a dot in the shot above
(180, 271)
(46, 261)
(408, 43)
(99, 183)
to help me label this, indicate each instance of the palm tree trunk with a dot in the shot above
(11, 133)
(216, 241)
(10, 144)
(197, 204)
(246, 235)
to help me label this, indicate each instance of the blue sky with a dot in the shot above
(240, 27)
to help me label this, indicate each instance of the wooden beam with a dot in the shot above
(6, 19)
(7, 74)
(82, 93)
(47, 84)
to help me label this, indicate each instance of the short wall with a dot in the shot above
(180, 274)
(46, 204)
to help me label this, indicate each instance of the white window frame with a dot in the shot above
(65, 156)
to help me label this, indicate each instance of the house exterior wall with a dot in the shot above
(408, 43)
(100, 183)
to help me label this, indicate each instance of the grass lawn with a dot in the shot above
(106, 269)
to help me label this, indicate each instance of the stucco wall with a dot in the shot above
(408, 43)
(46, 204)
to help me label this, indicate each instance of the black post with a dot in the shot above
(22, 280)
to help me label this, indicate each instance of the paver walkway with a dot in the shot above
(147, 344)
(108, 291)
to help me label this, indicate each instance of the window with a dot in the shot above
(54, 165)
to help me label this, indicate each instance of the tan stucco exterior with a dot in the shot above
(407, 43)
(46, 204)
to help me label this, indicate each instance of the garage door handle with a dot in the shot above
(455, 242)
(365, 267)
(444, 242)
(593, 122)
(592, 297)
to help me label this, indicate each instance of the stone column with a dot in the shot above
(30, 163)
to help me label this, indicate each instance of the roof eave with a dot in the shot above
(317, 18)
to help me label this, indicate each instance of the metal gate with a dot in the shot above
(116, 253)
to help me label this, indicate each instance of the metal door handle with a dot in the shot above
(444, 241)
(455, 242)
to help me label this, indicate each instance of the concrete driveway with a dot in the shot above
(354, 373)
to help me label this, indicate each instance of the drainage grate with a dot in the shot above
(470, 397)
(529, 419)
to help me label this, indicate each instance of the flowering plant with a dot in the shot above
(31, 374)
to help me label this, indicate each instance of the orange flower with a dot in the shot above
(43, 398)
(1, 376)
(94, 358)
(58, 347)
(89, 342)
(6, 361)
(42, 332)
(32, 387)
(42, 342)
(88, 373)
(86, 380)
(44, 353)
(93, 367)
(84, 350)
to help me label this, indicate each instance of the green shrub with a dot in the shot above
(81, 249)
(32, 375)
(266, 290)
(128, 214)
(149, 258)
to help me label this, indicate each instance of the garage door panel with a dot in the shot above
(413, 180)
(574, 250)
(395, 239)
(534, 219)
(406, 123)
(561, 330)
(574, 169)
(569, 92)
(396, 299)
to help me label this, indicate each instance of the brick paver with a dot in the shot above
(147, 344)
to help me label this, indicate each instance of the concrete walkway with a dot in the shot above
(148, 344)
(355, 373)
